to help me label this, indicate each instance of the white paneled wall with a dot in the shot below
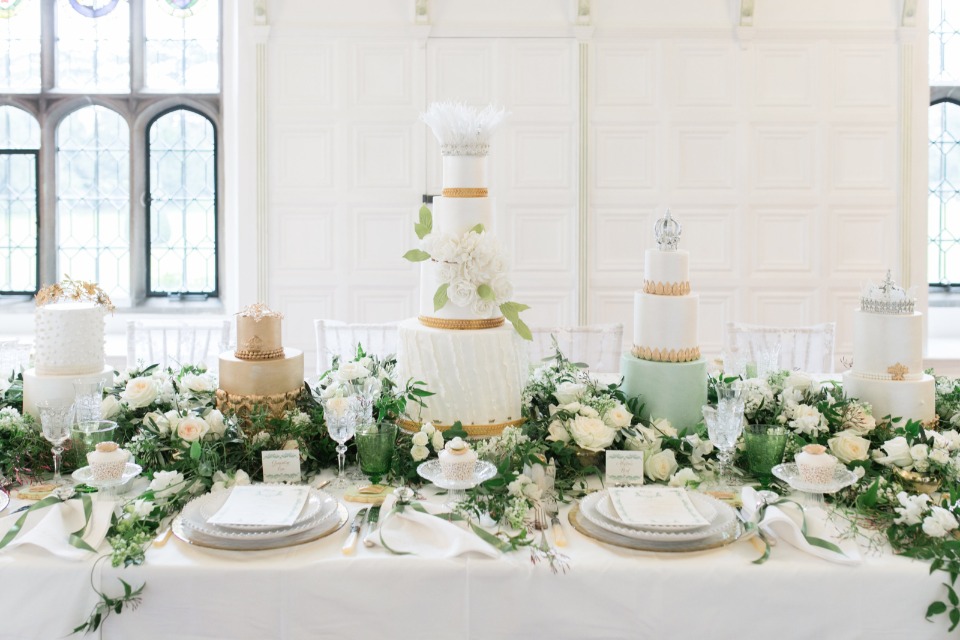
(778, 147)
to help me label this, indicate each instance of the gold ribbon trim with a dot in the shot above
(461, 325)
(666, 355)
(465, 192)
(473, 430)
(244, 354)
(666, 289)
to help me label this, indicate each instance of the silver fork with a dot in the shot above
(558, 561)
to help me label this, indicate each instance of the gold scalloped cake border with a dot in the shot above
(666, 355)
(244, 354)
(465, 192)
(666, 289)
(243, 405)
(473, 430)
(460, 325)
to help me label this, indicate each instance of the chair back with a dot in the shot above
(335, 338)
(809, 348)
(599, 346)
(175, 344)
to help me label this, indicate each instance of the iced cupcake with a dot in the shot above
(815, 464)
(458, 461)
(107, 462)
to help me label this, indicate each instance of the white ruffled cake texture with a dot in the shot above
(69, 338)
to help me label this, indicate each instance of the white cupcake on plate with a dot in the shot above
(107, 462)
(815, 465)
(458, 461)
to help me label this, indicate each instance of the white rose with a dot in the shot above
(568, 392)
(663, 427)
(214, 420)
(847, 446)
(802, 381)
(898, 452)
(557, 433)
(419, 453)
(192, 428)
(807, 420)
(462, 292)
(428, 428)
(684, 477)
(647, 440)
(660, 466)
(483, 308)
(198, 383)
(502, 289)
(139, 392)
(591, 433)
(919, 452)
(951, 439)
(109, 408)
(141, 508)
(437, 440)
(165, 482)
(572, 407)
(159, 421)
(444, 248)
(856, 419)
(590, 412)
(618, 417)
(515, 488)
(420, 439)
(940, 456)
(350, 371)
(939, 523)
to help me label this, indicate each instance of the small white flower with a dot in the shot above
(428, 428)
(684, 477)
(939, 523)
(140, 508)
(556, 432)
(418, 453)
(420, 439)
(912, 508)
(165, 482)
(807, 420)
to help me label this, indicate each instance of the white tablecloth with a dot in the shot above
(313, 591)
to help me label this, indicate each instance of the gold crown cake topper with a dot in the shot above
(75, 291)
(886, 297)
(667, 231)
(258, 311)
(463, 130)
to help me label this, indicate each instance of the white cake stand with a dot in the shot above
(457, 490)
(789, 473)
(84, 475)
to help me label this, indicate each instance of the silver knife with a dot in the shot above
(351, 544)
(372, 523)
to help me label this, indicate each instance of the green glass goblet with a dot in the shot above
(764, 444)
(375, 447)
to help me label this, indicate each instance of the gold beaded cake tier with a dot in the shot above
(458, 324)
(243, 406)
(473, 430)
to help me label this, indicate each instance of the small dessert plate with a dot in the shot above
(431, 471)
(788, 472)
(85, 476)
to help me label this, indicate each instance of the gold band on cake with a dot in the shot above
(666, 355)
(245, 354)
(473, 430)
(460, 324)
(666, 288)
(244, 405)
(465, 192)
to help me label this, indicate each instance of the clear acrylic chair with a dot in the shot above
(175, 344)
(599, 346)
(335, 338)
(809, 348)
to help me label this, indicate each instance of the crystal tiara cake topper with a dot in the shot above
(886, 297)
(667, 231)
(463, 130)
(258, 311)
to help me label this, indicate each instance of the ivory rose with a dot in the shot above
(591, 433)
(847, 446)
(139, 393)
(660, 466)
(192, 428)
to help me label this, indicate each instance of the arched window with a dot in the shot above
(182, 206)
(93, 198)
(19, 201)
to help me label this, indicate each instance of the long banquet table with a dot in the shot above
(314, 591)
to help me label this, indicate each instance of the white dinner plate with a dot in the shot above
(608, 511)
(724, 517)
(315, 502)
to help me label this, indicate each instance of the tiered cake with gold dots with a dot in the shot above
(260, 372)
(664, 366)
(888, 355)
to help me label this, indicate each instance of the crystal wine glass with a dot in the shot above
(724, 425)
(88, 401)
(341, 414)
(56, 420)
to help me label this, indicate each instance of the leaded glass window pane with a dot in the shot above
(944, 199)
(19, 142)
(182, 51)
(93, 199)
(20, 46)
(93, 46)
(183, 204)
(18, 129)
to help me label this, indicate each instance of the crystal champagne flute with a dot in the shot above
(341, 414)
(56, 420)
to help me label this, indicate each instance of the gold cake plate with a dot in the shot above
(587, 528)
(180, 531)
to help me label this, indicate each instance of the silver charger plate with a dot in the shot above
(608, 511)
(84, 475)
(724, 517)
(430, 470)
(789, 473)
(317, 501)
(185, 534)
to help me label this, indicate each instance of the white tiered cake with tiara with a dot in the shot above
(888, 356)
(459, 345)
(260, 373)
(69, 345)
(664, 367)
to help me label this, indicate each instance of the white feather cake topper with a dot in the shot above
(463, 130)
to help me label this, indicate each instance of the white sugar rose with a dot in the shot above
(437, 440)
(109, 408)
(214, 420)
(618, 417)
(939, 523)
(847, 446)
(350, 371)
(462, 292)
(568, 392)
(898, 453)
(502, 289)
(684, 477)
(483, 308)
(591, 433)
(192, 428)
(198, 383)
(660, 466)
(420, 439)
(557, 433)
(139, 393)
(419, 453)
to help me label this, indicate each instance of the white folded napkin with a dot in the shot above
(777, 524)
(425, 535)
(49, 528)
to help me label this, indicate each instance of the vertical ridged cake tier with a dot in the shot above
(69, 338)
(676, 391)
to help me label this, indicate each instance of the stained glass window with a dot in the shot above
(93, 199)
(19, 210)
(182, 50)
(183, 204)
(19, 46)
(93, 46)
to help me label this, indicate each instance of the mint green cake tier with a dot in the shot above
(676, 391)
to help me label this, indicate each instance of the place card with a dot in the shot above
(624, 468)
(281, 466)
(262, 504)
(656, 506)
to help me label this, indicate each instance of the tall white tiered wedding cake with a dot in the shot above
(69, 343)
(664, 367)
(888, 355)
(459, 345)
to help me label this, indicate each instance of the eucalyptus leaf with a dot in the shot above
(440, 297)
(416, 255)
